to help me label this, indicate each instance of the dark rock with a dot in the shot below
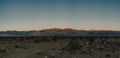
(2, 50)
(72, 45)
(20, 46)
(107, 55)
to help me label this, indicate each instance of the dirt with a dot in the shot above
(38, 47)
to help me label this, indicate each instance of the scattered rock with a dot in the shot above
(72, 45)
(20, 46)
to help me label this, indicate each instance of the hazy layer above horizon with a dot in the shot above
(76, 14)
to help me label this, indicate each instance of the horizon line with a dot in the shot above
(63, 29)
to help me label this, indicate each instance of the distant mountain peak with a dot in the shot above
(59, 29)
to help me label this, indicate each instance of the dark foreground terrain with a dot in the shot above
(60, 47)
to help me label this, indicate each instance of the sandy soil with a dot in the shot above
(60, 48)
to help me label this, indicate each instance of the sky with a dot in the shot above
(43, 14)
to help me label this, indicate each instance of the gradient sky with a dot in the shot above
(42, 14)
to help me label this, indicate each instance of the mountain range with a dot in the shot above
(61, 32)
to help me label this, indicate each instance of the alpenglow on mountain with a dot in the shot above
(60, 32)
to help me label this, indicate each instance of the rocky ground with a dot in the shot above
(35, 47)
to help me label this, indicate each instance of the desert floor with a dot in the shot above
(60, 48)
